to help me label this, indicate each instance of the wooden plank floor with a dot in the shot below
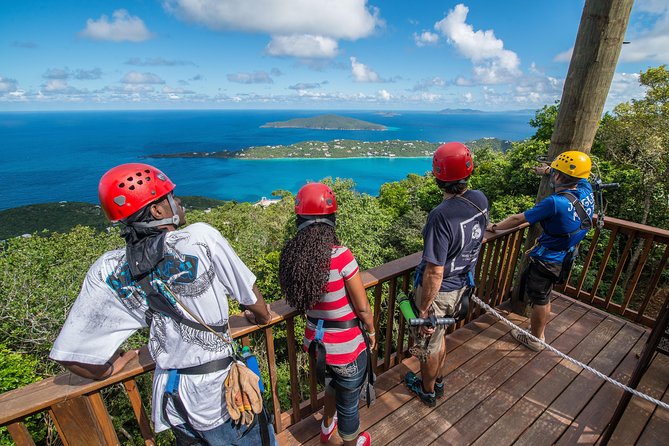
(498, 392)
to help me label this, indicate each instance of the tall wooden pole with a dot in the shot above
(593, 63)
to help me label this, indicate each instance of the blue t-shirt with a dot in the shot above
(557, 215)
(452, 237)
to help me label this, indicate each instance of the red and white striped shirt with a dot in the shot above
(342, 346)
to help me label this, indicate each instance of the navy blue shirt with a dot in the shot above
(452, 237)
(557, 215)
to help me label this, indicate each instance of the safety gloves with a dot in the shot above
(242, 394)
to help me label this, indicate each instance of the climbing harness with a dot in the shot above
(598, 186)
(599, 374)
(161, 299)
(318, 352)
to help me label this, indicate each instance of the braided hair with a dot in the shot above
(304, 265)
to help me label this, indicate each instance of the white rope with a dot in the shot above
(562, 355)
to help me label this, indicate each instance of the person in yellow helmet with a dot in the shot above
(566, 217)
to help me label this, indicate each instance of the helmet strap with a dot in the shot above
(315, 220)
(173, 220)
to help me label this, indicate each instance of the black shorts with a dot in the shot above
(537, 282)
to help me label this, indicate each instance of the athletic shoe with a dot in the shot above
(415, 385)
(439, 388)
(327, 433)
(364, 439)
(526, 341)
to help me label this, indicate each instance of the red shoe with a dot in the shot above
(326, 437)
(364, 439)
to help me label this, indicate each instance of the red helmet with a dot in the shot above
(452, 162)
(127, 188)
(315, 199)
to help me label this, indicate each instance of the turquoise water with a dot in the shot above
(60, 156)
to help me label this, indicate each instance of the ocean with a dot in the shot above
(60, 156)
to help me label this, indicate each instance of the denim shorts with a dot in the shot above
(345, 381)
(224, 435)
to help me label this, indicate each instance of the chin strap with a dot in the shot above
(173, 220)
(315, 220)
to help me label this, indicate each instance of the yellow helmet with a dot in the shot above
(573, 163)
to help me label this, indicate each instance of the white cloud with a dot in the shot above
(156, 61)
(304, 86)
(646, 43)
(8, 85)
(341, 19)
(299, 28)
(135, 77)
(492, 63)
(564, 56)
(362, 73)
(624, 86)
(426, 84)
(468, 97)
(175, 91)
(59, 86)
(66, 73)
(650, 44)
(303, 46)
(384, 95)
(122, 27)
(257, 77)
(425, 38)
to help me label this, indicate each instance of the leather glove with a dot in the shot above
(242, 394)
(248, 381)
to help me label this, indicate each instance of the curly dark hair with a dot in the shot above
(304, 265)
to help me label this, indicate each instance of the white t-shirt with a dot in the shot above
(202, 270)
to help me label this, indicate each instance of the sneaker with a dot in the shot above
(439, 388)
(364, 439)
(526, 341)
(327, 433)
(415, 385)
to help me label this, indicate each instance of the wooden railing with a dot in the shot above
(79, 414)
(621, 269)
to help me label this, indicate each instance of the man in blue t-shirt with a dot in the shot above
(565, 218)
(452, 240)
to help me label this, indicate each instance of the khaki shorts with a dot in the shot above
(447, 303)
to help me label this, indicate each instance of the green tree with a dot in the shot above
(636, 135)
(544, 121)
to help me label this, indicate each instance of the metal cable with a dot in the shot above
(572, 360)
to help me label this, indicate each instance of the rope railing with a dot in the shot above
(549, 347)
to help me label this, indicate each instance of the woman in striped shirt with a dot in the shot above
(321, 277)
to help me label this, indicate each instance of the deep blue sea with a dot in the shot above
(60, 156)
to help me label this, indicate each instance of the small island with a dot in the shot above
(339, 148)
(325, 122)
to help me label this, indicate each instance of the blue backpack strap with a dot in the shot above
(317, 351)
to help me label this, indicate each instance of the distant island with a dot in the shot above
(325, 122)
(339, 148)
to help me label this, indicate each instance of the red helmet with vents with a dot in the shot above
(452, 162)
(127, 188)
(315, 199)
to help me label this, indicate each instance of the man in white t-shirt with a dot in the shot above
(122, 293)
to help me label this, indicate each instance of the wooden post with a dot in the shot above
(593, 63)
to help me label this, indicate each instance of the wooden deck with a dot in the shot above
(498, 392)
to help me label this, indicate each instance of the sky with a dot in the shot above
(305, 54)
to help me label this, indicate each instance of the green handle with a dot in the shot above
(406, 308)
